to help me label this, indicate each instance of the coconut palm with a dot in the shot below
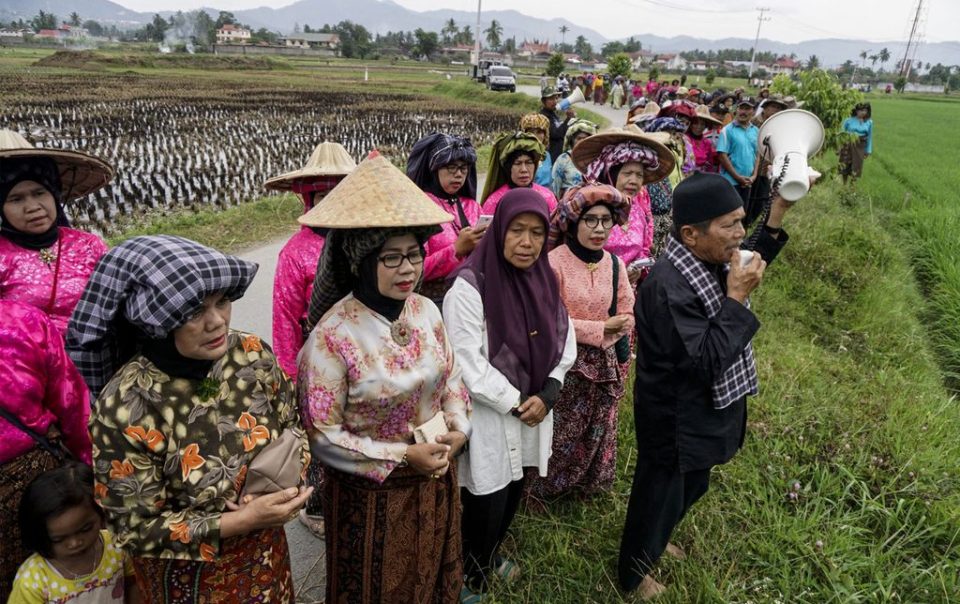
(450, 31)
(563, 35)
(884, 57)
(493, 34)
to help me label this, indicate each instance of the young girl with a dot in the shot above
(74, 559)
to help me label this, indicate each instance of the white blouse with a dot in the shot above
(501, 445)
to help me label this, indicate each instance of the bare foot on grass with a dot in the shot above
(676, 552)
(650, 588)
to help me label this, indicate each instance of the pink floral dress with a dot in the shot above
(362, 393)
(29, 276)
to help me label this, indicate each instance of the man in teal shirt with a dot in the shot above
(737, 151)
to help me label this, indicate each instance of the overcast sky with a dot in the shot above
(790, 21)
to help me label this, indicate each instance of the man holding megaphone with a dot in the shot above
(549, 98)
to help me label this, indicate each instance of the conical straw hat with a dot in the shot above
(327, 159)
(376, 194)
(80, 174)
(589, 148)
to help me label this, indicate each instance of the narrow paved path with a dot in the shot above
(617, 117)
(254, 313)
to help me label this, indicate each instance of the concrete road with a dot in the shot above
(617, 117)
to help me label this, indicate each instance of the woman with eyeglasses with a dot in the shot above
(513, 165)
(627, 160)
(444, 166)
(599, 298)
(381, 396)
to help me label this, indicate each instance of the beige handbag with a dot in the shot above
(277, 466)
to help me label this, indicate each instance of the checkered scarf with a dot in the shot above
(150, 285)
(741, 378)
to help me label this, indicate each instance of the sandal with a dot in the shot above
(468, 596)
(314, 524)
(507, 571)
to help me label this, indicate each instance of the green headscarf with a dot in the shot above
(577, 127)
(498, 173)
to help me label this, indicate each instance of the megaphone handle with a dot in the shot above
(751, 242)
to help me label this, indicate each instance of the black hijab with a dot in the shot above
(42, 170)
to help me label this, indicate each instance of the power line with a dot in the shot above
(685, 8)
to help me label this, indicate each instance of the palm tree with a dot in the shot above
(884, 57)
(75, 19)
(493, 34)
(563, 35)
(449, 31)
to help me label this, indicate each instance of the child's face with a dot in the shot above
(74, 532)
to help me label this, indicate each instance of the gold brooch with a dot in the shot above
(592, 266)
(400, 332)
(47, 256)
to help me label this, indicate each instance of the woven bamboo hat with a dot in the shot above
(327, 159)
(589, 148)
(703, 112)
(80, 173)
(376, 194)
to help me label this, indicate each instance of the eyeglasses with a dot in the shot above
(395, 260)
(593, 221)
(456, 169)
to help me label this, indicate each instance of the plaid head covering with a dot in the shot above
(664, 124)
(575, 128)
(338, 269)
(152, 285)
(741, 378)
(617, 155)
(578, 200)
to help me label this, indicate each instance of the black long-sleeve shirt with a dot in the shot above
(680, 354)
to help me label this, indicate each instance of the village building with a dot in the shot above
(313, 41)
(671, 62)
(784, 65)
(534, 51)
(641, 59)
(9, 33)
(233, 34)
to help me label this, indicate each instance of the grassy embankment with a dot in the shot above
(852, 408)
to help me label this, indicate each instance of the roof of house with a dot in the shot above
(314, 37)
(232, 27)
(536, 48)
(787, 62)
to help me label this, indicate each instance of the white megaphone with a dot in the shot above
(575, 97)
(790, 137)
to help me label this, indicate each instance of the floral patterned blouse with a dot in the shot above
(169, 452)
(362, 393)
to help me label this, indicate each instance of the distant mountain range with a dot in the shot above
(380, 16)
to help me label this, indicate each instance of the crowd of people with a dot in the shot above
(441, 357)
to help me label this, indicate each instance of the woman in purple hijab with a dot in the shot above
(514, 341)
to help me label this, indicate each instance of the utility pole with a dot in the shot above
(476, 43)
(753, 55)
(913, 42)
